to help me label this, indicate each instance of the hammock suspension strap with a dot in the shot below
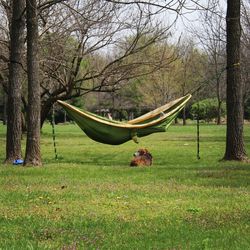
(198, 130)
(53, 131)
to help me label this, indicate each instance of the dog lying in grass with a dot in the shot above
(141, 158)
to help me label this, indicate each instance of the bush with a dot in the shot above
(207, 109)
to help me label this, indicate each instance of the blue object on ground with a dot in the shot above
(18, 162)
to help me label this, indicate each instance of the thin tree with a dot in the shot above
(14, 125)
(211, 35)
(33, 154)
(245, 51)
(234, 138)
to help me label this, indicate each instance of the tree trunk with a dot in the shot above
(65, 116)
(234, 138)
(184, 116)
(218, 94)
(24, 125)
(14, 125)
(5, 109)
(176, 120)
(219, 112)
(33, 154)
(183, 93)
(45, 109)
(44, 113)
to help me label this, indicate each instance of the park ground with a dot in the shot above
(91, 199)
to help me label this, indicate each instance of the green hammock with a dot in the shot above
(113, 132)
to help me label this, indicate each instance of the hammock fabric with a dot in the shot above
(113, 132)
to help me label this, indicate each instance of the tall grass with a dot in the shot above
(91, 199)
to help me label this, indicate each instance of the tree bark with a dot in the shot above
(33, 154)
(219, 112)
(184, 123)
(234, 138)
(14, 124)
(45, 109)
(218, 92)
(184, 117)
(5, 109)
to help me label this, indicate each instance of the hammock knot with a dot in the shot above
(134, 136)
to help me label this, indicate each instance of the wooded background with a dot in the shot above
(121, 56)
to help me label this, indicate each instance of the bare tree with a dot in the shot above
(33, 155)
(212, 36)
(192, 70)
(14, 131)
(75, 35)
(5, 10)
(159, 85)
(235, 149)
(89, 48)
(245, 50)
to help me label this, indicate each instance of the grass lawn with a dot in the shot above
(91, 199)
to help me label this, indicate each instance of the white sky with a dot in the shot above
(189, 20)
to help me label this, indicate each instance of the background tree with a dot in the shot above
(212, 37)
(245, 53)
(191, 70)
(5, 17)
(207, 109)
(4, 59)
(159, 87)
(85, 49)
(151, 85)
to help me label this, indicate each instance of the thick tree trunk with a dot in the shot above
(33, 154)
(14, 125)
(234, 139)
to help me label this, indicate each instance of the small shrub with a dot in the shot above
(207, 109)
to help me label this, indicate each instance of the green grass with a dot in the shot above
(91, 199)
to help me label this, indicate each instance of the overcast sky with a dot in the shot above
(189, 19)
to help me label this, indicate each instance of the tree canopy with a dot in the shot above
(122, 53)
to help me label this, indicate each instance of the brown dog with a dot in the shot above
(141, 158)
